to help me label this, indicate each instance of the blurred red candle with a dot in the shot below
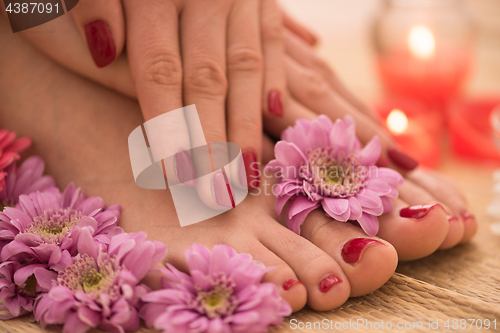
(415, 128)
(423, 69)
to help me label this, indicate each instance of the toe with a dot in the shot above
(326, 284)
(368, 262)
(447, 192)
(414, 194)
(289, 285)
(414, 231)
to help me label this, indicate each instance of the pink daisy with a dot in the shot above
(9, 151)
(323, 164)
(20, 285)
(224, 293)
(28, 178)
(44, 224)
(101, 288)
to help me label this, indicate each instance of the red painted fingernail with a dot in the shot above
(417, 212)
(401, 159)
(249, 172)
(290, 283)
(328, 282)
(383, 162)
(184, 168)
(352, 250)
(221, 191)
(100, 42)
(452, 218)
(465, 215)
(274, 103)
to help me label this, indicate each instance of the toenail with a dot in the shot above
(417, 212)
(465, 215)
(328, 282)
(352, 250)
(290, 283)
(452, 218)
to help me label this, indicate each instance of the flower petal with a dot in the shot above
(370, 153)
(355, 207)
(369, 199)
(337, 206)
(387, 203)
(369, 224)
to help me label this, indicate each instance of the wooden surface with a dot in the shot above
(463, 282)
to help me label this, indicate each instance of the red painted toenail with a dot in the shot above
(383, 162)
(328, 282)
(452, 218)
(352, 250)
(417, 212)
(465, 215)
(290, 283)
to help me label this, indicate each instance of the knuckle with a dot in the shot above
(323, 67)
(163, 69)
(314, 85)
(272, 28)
(206, 77)
(244, 59)
(249, 121)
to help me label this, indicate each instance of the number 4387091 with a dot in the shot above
(32, 7)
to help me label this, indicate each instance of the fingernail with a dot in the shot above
(220, 189)
(100, 42)
(383, 162)
(248, 174)
(352, 250)
(184, 168)
(417, 212)
(328, 282)
(465, 215)
(274, 103)
(401, 159)
(290, 283)
(452, 218)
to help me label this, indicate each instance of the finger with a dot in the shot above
(64, 45)
(309, 88)
(101, 24)
(203, 40)
(244, 61)
(157, 72)
(302, 53)
(274, 127)
(299, 30)
(275, 99)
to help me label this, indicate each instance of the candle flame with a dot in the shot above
(397, 122)
(421, 42)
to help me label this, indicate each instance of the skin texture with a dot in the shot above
(81, 131)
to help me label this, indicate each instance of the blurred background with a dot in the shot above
(431, 68)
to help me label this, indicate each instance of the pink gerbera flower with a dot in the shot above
(20, 285)
(9, 151)
(223, 294)
(28, 178)
(323, 164)
(101, 288)
(44, 224)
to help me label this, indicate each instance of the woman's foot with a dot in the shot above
(81, 131)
